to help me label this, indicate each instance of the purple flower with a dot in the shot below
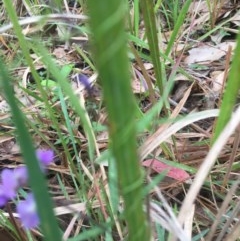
(45, 156)
(9, 184)
(12, 180)
(27, 211)
(21, 175)
(3, 198)
(83, 79)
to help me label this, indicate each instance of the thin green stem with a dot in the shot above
(110, 52)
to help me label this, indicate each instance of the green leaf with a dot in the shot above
(231, 93)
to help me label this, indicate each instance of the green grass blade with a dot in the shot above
(151, 32)
(36, 178)
(231, 93)
(178, 25)
(25, 48)
(74, 99)
(136, 17)
(110, 51)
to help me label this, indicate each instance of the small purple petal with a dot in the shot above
(45, 156)
(21, 175)
(83, 79)
(3, 198)
(28, 212)
(9, 184)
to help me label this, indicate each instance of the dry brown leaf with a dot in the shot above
(217, 80)
(138, 87)
(59, 52)
(64, 57)
(199, 7)
(236, 18)
(4, 107)
(178, 47)
(171, 171)
(181, 77)
(207, 54)
(180, 90)
(148, 66)
(32, 29)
